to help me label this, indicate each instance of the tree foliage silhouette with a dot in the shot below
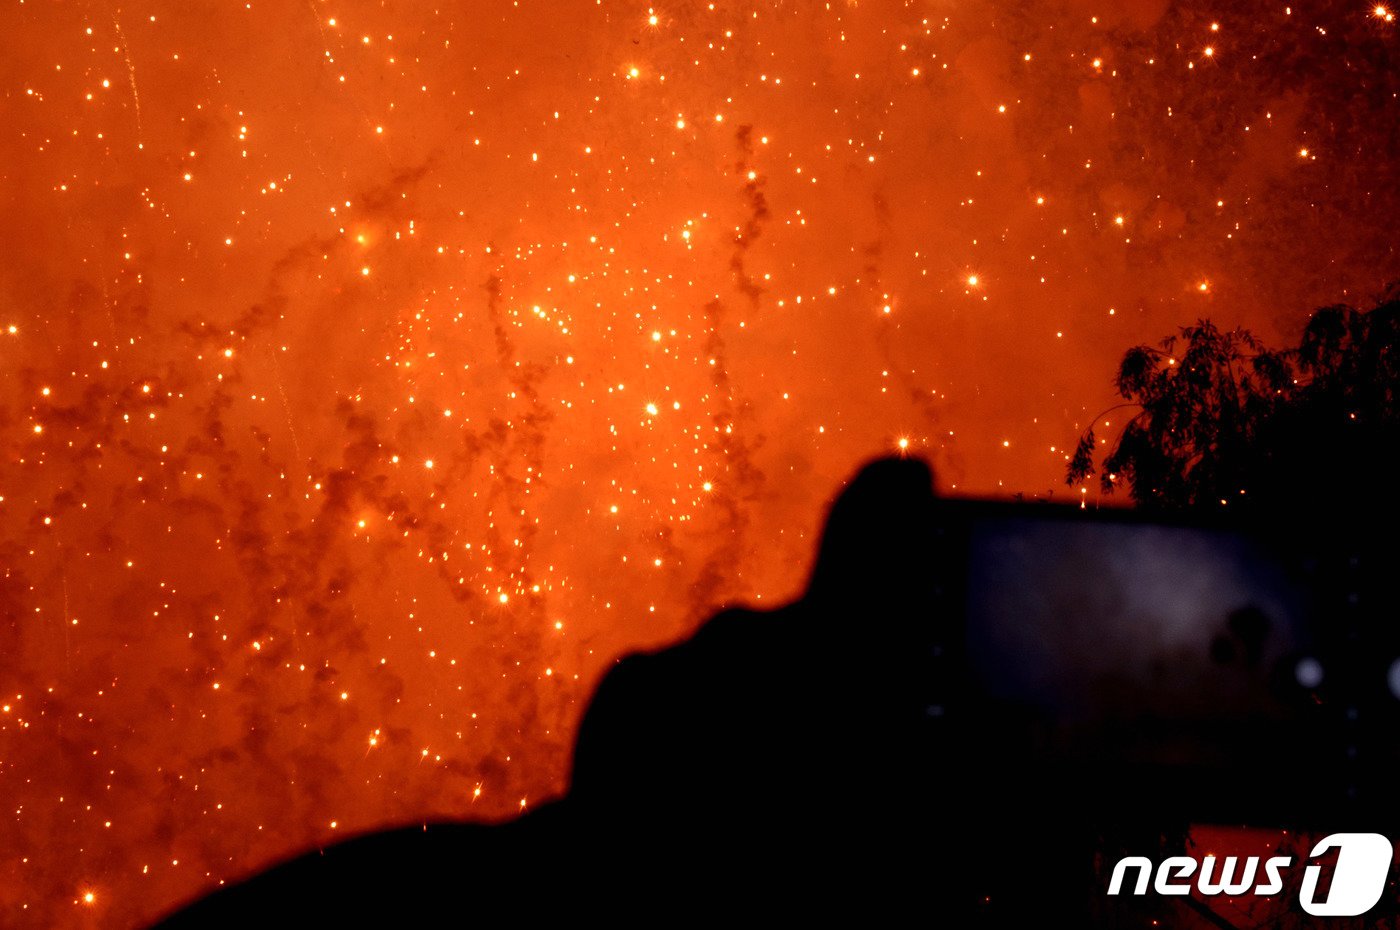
(1224, 422)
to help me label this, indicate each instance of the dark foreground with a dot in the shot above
(811, 762)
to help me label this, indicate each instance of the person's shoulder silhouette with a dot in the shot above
(776, 747)
(778, 753)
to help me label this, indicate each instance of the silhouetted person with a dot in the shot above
(787, 751)
(788, 761)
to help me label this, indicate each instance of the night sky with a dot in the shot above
(373, 375)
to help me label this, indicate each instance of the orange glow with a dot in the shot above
(367, 378)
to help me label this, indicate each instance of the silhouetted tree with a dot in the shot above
(1223, 421)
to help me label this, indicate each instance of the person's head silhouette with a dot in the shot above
(877, 551)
